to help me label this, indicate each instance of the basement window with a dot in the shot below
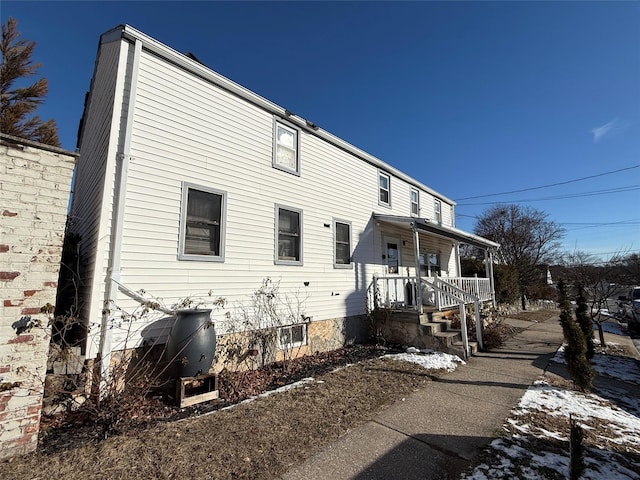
(292, 336)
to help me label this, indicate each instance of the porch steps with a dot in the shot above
(435, 325)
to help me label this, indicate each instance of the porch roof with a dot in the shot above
(427, 225)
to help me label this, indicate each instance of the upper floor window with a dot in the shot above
(384, 188)
(286, 147)
(201, 224)
(415, 202)
(289, 235)
(437, 208)
(342, 244)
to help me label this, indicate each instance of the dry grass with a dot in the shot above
(260, 439)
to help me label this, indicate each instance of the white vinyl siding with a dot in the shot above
(92, 202)
(187, 130)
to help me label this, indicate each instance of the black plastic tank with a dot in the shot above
(191, 345)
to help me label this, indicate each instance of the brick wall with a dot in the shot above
(34, 192)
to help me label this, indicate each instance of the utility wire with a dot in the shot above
(552, 184)
(591, 193)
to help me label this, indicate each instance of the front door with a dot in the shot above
(392, 255)
(394, 288)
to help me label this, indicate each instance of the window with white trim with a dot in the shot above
(437, 208)
(288, 235)
(292, 336)
(415, 202)
(341, 244)
(201, 223)
(430, 264)
(384, 189)
(286, 147)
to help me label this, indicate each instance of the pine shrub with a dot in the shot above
(584, 320)
(575, 352)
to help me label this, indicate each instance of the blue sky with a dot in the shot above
(472, 99)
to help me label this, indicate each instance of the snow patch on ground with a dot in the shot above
(612, 421)
(431, 361)
(621, 368)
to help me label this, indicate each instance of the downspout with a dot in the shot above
(416, 252)
(120, 192)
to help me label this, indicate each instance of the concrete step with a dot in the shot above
(437, 327)
(437, 316)
(459, 348)
(448, 338)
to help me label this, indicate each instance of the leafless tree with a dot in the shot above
(600, 281)
(528, 240)
(18, 103)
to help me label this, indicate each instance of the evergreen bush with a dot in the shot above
(575, 352)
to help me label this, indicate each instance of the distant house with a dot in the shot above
(188, 182)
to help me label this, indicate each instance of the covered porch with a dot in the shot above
(421, 269)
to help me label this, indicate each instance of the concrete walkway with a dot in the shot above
(438, 431)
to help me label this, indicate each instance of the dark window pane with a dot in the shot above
(202, 235)
(297, 333)
(342, 254)
(288, 235)
(342, 232)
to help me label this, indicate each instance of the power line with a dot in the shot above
(552, 184)
(632, 222)
(592, 193)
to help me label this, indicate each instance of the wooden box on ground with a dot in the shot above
(192, 390)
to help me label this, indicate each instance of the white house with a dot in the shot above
(188, 182)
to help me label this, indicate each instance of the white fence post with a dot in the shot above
(463, 326)
(479, 325)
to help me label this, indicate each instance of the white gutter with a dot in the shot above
(115, 246)
(209, 75)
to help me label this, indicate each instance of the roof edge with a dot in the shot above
(164, 51)
(427, 225)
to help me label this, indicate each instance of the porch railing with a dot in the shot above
(401, 292)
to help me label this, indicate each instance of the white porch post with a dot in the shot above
(488, 265)
(458, 264)
(416, 251)
(463, 327)
(479, 325)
